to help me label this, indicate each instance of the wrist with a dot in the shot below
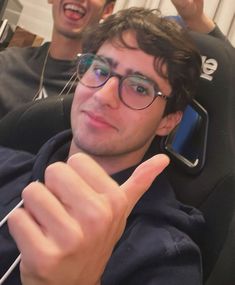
(202, 25)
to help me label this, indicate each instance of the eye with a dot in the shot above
(100, 71)
(139, 88)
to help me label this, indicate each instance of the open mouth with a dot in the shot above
(74, 12)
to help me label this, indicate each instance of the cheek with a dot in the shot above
(81, 94)
(149, 122)
(96, 8)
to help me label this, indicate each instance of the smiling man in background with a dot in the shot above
(39, 72)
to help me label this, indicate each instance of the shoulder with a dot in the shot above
(18, 54)
(217, 33)
(15, 52)
(12, 160)
(218, 60)
(209, 43)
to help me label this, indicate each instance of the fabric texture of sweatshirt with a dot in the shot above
(160, 241)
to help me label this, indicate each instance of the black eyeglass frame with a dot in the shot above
(121, 78)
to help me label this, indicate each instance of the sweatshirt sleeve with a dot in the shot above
(217, 33)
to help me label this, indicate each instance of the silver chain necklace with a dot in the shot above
(42, 76)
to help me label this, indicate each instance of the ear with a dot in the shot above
(108, 10)
(168, 123)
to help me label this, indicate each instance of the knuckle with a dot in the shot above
(119, 203)
(100, 218)
(53, 169)
(72, 240)
(29, 191)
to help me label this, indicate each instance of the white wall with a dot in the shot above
(36, 17)
(36, 14)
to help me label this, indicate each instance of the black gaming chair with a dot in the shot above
(210, 187)
(31, 125)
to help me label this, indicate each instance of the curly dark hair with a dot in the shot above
(157, 36)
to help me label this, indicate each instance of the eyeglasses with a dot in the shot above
(135, 91)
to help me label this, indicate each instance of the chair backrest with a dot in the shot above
(213, 189)
(31, 125)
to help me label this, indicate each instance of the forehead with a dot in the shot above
(126, 58)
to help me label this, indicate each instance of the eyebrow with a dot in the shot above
(112, 62)
(129, 71)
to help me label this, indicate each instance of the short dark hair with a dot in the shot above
(157, 36)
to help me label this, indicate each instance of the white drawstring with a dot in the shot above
(10, 269)
(17, 260)
(4, 220)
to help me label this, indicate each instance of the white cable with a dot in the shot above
(17, 260)
(4, 220)
(10, 269)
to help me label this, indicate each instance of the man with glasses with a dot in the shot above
(35, 73)
(136, 91)
(84, 220)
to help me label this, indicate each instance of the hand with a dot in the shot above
(68, 227)
(192, 12)
(189, 9)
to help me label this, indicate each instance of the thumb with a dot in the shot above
(142, 178)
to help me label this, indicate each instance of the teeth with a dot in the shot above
(74, 8)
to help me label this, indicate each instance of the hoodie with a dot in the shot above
(160, 241)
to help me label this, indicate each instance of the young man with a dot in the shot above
(80, 224)
(35, 73)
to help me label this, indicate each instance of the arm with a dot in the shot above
(69, 226)
(192, 12)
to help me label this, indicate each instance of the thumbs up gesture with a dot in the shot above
(69, 226)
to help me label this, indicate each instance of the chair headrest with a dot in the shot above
(216, 93)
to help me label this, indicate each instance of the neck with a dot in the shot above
(114, 164)
(64, 48)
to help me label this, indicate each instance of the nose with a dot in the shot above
(108, 93)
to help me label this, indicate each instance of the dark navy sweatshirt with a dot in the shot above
(159, 245)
